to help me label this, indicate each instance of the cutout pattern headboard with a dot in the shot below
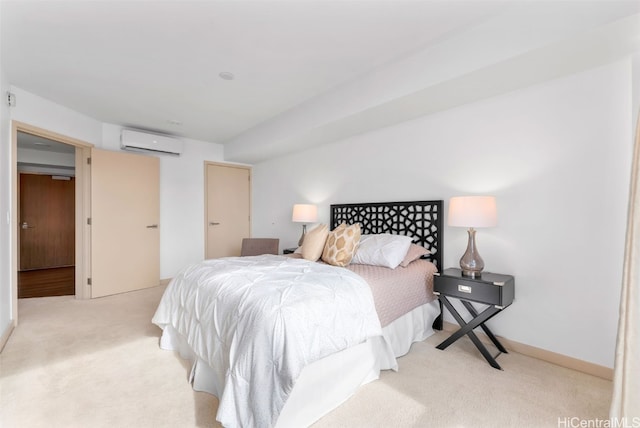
(421, 220)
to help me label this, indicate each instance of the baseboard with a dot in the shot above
(544, 355)
(165, 281)
(6, 335)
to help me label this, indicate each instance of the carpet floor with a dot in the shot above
(96, 363)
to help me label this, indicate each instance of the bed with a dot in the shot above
(296, 338)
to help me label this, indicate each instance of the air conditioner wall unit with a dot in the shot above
(145, 142)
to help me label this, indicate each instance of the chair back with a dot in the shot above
(259, 246)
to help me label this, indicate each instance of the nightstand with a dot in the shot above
(289, 250)
(491, 289)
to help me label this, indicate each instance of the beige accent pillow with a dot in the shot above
(341, 245)
(314, 241)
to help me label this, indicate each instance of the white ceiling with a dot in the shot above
(149, 64)
(33, 142)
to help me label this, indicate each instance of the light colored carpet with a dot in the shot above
(74, 363)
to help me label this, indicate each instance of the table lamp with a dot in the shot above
(472, 212)
(304, 213)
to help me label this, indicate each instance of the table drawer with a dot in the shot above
(474, 290)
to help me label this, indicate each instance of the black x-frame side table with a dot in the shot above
(492, 289)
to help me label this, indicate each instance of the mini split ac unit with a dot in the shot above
(143, 142)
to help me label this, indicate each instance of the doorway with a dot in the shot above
(46, 234)
(78, 154)
(227, 208)
(46, 216)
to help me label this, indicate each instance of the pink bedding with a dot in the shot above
(396, 291)
(400, 290)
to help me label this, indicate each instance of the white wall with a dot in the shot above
(181, 200)
(5, 208)
(37, 111)
(181, 183)
(635, 93)
(557, 157)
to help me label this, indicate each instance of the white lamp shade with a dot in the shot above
(472, 211)
(305, 213)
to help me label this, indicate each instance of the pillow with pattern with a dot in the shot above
(341, 245)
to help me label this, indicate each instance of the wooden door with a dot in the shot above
(125, 221)
(46, 235)
(228, 209)
(47, 221)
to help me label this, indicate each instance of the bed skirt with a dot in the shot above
(325, 384)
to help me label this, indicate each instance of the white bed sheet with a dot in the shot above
(259, 321)
(325, 384)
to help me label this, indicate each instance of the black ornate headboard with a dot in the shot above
(421, 220)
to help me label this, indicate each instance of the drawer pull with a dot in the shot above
(464, 288)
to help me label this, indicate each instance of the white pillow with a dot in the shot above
(382, 250)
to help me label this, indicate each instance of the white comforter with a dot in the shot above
(258, 321)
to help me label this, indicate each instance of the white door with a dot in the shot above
(228, 208)
(125, 217)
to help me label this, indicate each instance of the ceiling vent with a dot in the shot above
(144, 142)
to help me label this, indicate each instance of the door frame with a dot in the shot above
(206, 198)
(82, 209)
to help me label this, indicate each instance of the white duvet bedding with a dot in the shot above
(258, 321)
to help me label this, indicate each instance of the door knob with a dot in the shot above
(152, 226)
(213, 223)
(25, 225)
